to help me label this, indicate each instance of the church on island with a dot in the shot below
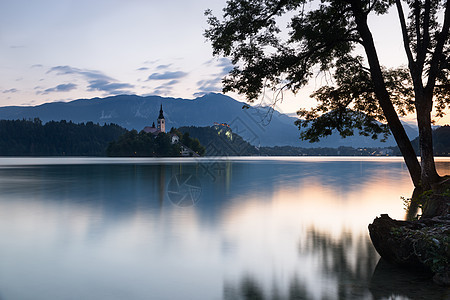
(161, 128)
(154, 141)
(161, 124)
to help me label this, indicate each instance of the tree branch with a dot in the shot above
(438, 57)
(416, 12)
(422, 50)
(445, 86)
(274, 11)
(406, 40)
(371, 6)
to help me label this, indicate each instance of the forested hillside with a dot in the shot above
(144, 144)
(32, 138)
(260, 126)
(219, 140)
(62, 138)
(441, 141)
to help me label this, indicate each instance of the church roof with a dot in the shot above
(161, 115)
(153, 130)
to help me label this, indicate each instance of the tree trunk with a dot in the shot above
(397, 129)
(428, 168)
(421, 43)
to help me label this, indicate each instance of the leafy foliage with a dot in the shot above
(32, 138)
(220, 141)
(352, 104)
(431, 245)
(144, 144)
(322, 37)
(192, 143)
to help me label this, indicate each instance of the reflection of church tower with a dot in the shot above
(161, 121)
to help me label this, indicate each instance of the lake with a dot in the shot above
(224, 228)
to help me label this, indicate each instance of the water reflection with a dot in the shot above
(342, 269)
(388, 281)
(260, 229)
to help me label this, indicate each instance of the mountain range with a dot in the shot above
(257, 125)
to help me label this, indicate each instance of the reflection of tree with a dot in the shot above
(250, 289)
(346, 265)
(348, 261)
(389, 280)
(161, 170)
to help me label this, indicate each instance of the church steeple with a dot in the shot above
(161, 121)
(161, 115)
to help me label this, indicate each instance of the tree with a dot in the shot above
(55, 138)
(325, 36)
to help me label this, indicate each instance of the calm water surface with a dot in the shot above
(243, 228)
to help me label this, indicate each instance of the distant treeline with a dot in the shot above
(441, 141)
(341, 151)
(32, 138)
(144, 144)
(219, 140)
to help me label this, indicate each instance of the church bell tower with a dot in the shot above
(161, 121)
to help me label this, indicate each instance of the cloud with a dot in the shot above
(209, 86)
(172, 82)
(10, 91)
(87, 74)
(165, 89)
(161, 67)
(106, 86)
(143, 69)
(37, 66)
(214, 84)
(199, 94)
(160, 92)
(97, 81)
(67, 87)
(167, 75)
(63, 70)
(151, 62)
(226, 66)
(223, 62)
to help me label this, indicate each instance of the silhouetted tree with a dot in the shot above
(133, 143)
(32, 138)
(218, 141)
(323, 36)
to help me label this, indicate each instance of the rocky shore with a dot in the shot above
(421, 244)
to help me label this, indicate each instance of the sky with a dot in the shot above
(62, 50)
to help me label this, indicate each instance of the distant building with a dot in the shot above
(386, 151)
(151, 129)
(161, 121)
(187, 152)
(161, 127)
(174, 138)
